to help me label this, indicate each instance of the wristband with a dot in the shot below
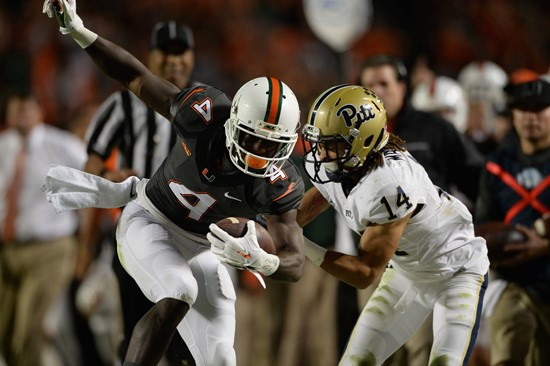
(83, 36)
(314, 252)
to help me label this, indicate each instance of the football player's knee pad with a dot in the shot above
(178, 284)
(224, 355)
(224, 286)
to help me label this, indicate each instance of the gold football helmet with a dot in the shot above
(345, 125)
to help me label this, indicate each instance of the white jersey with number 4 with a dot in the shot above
(438, 240)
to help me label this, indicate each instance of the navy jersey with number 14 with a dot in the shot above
(197, 184)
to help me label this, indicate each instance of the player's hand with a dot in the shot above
(533, 247)
(69, 22)
(48, 8)
(242, 252)
(238, 252)
(65, 13)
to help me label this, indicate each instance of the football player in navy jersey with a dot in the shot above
(230, 160)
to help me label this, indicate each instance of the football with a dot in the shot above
(236, 227)
(497, 235)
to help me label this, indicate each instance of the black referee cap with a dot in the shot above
(172, 37)
(531, 96)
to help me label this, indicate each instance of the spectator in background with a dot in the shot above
(515, 190)
(444, 97)
(447, 157)
(483, 83)
(37, 248)
(504, 133)
(140, 139)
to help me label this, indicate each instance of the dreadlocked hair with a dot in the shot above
(375, 159)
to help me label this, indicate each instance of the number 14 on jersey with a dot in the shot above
(401, 199)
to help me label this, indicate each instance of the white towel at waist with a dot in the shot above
(70, 189)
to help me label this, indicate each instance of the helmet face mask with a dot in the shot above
(331, 153)
(345, 125)
(261, 131)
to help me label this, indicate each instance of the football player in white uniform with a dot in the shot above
(418, 237)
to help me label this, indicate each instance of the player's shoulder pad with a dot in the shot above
(388, 196)
(283, 191)
(197, 107)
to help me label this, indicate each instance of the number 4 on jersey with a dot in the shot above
(198, 203)
(402, 199)
(204, 109)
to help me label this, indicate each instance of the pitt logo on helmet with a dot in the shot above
(352, 118)
(346, 124)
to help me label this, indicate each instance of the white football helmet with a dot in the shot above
(262, 127)
(484, 80)
(445, 97)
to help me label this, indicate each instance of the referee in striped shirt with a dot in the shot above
(137, 139)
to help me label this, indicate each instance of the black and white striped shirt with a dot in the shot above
(142, 136)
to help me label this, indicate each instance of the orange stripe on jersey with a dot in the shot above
(273, 111)
(187, 97)
(187, 151)
(290, 188)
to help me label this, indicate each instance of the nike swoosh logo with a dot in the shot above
(227, 195)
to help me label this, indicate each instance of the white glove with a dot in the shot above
(242, 252)
(69, 22)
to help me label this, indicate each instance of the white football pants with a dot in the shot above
(169, 262)
(399, 306)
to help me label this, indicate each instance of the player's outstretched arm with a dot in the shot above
(120, 65)
(377, 246)
(312, 205)
(113, 60)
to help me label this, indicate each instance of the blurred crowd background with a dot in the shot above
(241, 39)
